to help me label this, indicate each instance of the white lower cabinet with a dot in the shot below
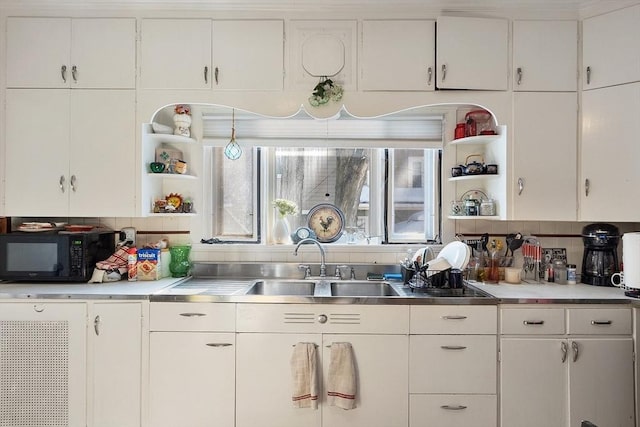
(453, 362)
(558, 378)
(264, 392)
(115, 364)
(192, 365)
(42, 364)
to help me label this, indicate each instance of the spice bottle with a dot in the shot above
(571, 274)
(132, 264)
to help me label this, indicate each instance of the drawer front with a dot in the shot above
(452, 364)
(454, 319)
(329, 318)
(532, 321)
(178, 316)
(599, 321)
(453, 410)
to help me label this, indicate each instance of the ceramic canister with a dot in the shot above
(631, 259)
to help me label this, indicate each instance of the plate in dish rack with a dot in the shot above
(457, 253)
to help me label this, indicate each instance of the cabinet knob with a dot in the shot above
(587, 184)
(61, 183)
(520, 186)
(96, 325)
(216, 73)
(74, 73)
(206, 74)
(429, 75)
(588, 75)
(322, 318)
(444, 71)
(63, 72)
(73, 183)
(564, 349)
(519, 75)
(218, 344)
(453, 407)
(576, 350)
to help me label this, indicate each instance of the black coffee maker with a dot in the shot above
(600, 258)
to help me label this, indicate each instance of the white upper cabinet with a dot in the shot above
(77, 53)
(248, 55)
(610, 48)
(545, 56)
(397, 55)
(223, 55)
(609, 154)
(544, 156)
(175, 54)
(472, 53)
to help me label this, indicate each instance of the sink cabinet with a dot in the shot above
(265, 340)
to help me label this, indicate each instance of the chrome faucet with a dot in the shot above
(323, 265)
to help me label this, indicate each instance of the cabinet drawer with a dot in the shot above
(452, 410)
(599, 321)
(177, 316)
(319, 318)
(454, 319)
(452, 364)
(534, 321)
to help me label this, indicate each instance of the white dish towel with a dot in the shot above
(304, 375)
(341, 387)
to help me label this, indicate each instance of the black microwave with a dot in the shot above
(53, 256)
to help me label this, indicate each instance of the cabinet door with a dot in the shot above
(37, 147)
(382, 372)
(533, 382)
(545, 156)
(37, 51)
(398, 55)
(104, 53)
(115, 364)
(545, 55)
(263, 381)
(248, 55)
(610, 48)
(192, 379)
(601, 382)
(43, 359)
(175, 54)
(102, 156)
(609, 172)
(472, 53)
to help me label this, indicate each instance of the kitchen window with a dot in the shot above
(381, 173)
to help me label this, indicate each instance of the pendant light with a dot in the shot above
(233, 151)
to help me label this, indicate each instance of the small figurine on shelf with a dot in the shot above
(182, 120)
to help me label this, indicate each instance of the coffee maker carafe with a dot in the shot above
(600, 258)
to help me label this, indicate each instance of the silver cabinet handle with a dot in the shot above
(38, 308)
(576, 350)
(192, 314)
(520, 186)
(429, 76)
(454, 317)
(588, 75)
(96, 325)
(322, 318)
(533, 322)
(206, 74)
(453, 347)
(216, 73)
(564, 349)
(73, 183)
(519, 74)
(453, 407)
(601, 322)
(74, 73)
(587, 184)
(63, 72)
(61, 183)
(444, 71)
(218, 344)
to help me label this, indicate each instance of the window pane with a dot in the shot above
(309, 176)
(413, 199)
(235, 192)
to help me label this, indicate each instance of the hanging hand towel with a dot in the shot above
(304, 375)
(341, 387)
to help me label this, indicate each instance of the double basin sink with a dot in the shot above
(344, 288)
